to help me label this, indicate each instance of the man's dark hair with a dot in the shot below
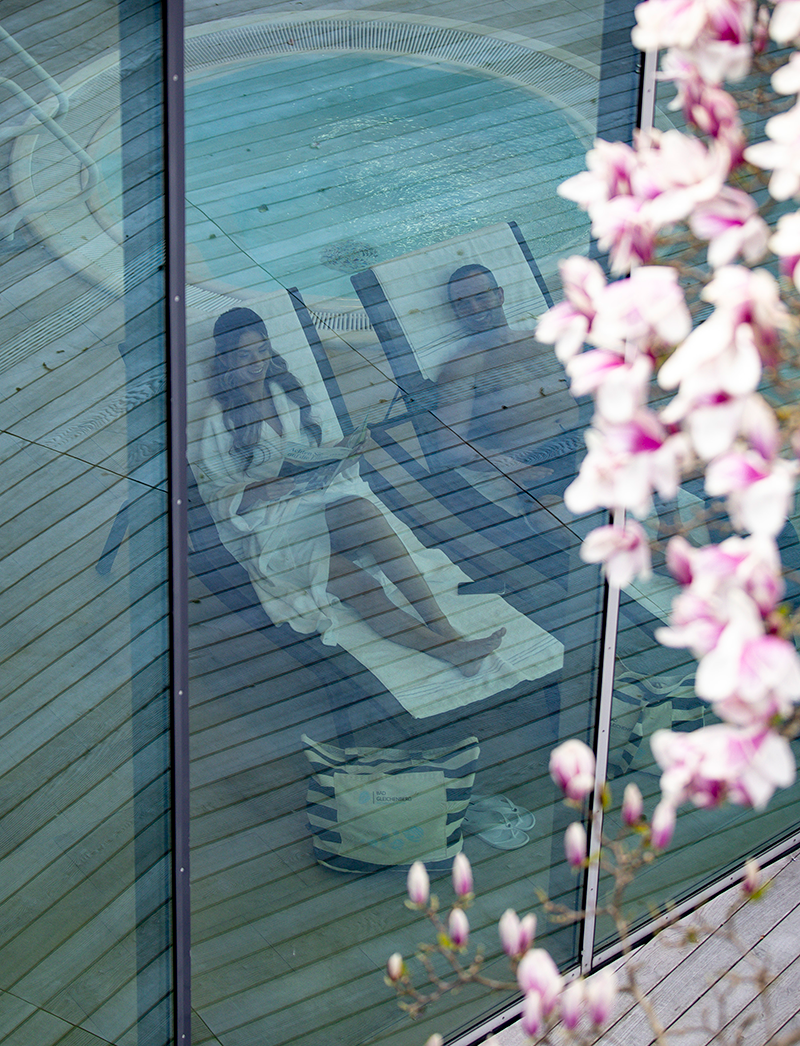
(465, 272)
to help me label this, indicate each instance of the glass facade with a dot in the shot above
(378, 591)
(86, 792)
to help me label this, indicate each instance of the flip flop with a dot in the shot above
(504, 837)
(502, 808)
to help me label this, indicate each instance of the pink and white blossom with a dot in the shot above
(722, 762)
(712, 110)
(786, 80)
(662, 826)
(784, 26)
(751, 881)
(600, 992)
(785, 242)
(645, 313)
(620, 385)
(572, 767)
(626, 463)
(418, 883)
(759, 491)
(731, 224)
(537, 974)
(532, 1019)
(781, 154)
(624, 552)
(567, 324)
(516, 935)
(632, 805)
(458, 927)
(462, 875)
(394, 966)
(575, 844)
(572, 1002)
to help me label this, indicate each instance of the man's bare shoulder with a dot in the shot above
(462, 364)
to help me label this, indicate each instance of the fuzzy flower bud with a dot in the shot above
(458, 927)
(527, 933)
(663, 825)
(601, 990)
(462, 875)
(572, 767)
(632, 805)
(532, 1017)
(752, 878)
(394, 967)
(418, 884)
(572, 1003)
(509, 928)
(435, 1040)
(575, 844)
(538, 974)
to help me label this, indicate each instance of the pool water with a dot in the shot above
(304, 168)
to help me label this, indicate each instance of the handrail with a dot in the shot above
(12, 220)
(32, 64)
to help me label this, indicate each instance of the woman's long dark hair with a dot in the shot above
(242, 417)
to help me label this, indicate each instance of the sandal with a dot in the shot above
(502, 809)
(504, 837)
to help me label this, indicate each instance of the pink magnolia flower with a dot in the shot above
(712, 420)
(731, 224)
(632, 805)
(418, 884)
(749, 678)
(750, 564)
(784, 26)
(725, 353)
(600, 993)
(571, 1004)
(668, 23)
(786, 80)
(462, 875)
(720, 762)
(662, 826)
(394, 966)
(625, 463)
(712, 111)
(759, 491)
(537, 974)
(781, 154)
(575, 844)
(645, 313)
(572, 767)
(567, 324)
(699, 27)
(621, 386)
(626, 227)
(785, 242)
(610, 167)
(623, 551)
(458, 927)
(516, 935)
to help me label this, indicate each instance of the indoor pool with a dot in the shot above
(305, 168)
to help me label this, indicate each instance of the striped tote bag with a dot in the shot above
(372, 808)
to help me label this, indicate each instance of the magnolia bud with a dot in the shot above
(538, 973)
(418, 884)
(632, 805)
(572, 767)
(600, 992)
(663, 825)
(509, 928)
(571, 1004)
(532, 1017)
(394, 967)
(435, 1040)
(462, 875)
(527, 933)
(458, 927)
(752, 878)
(575, 844)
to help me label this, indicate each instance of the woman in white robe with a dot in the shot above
(303, 541)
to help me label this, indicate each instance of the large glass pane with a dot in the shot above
(654, 685)
(84, 944)
(384, 650)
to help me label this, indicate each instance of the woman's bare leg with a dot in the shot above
(356, 525)
(359, 590)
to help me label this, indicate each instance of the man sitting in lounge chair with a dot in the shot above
(502, 393)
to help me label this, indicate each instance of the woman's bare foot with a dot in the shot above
(467, 654)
